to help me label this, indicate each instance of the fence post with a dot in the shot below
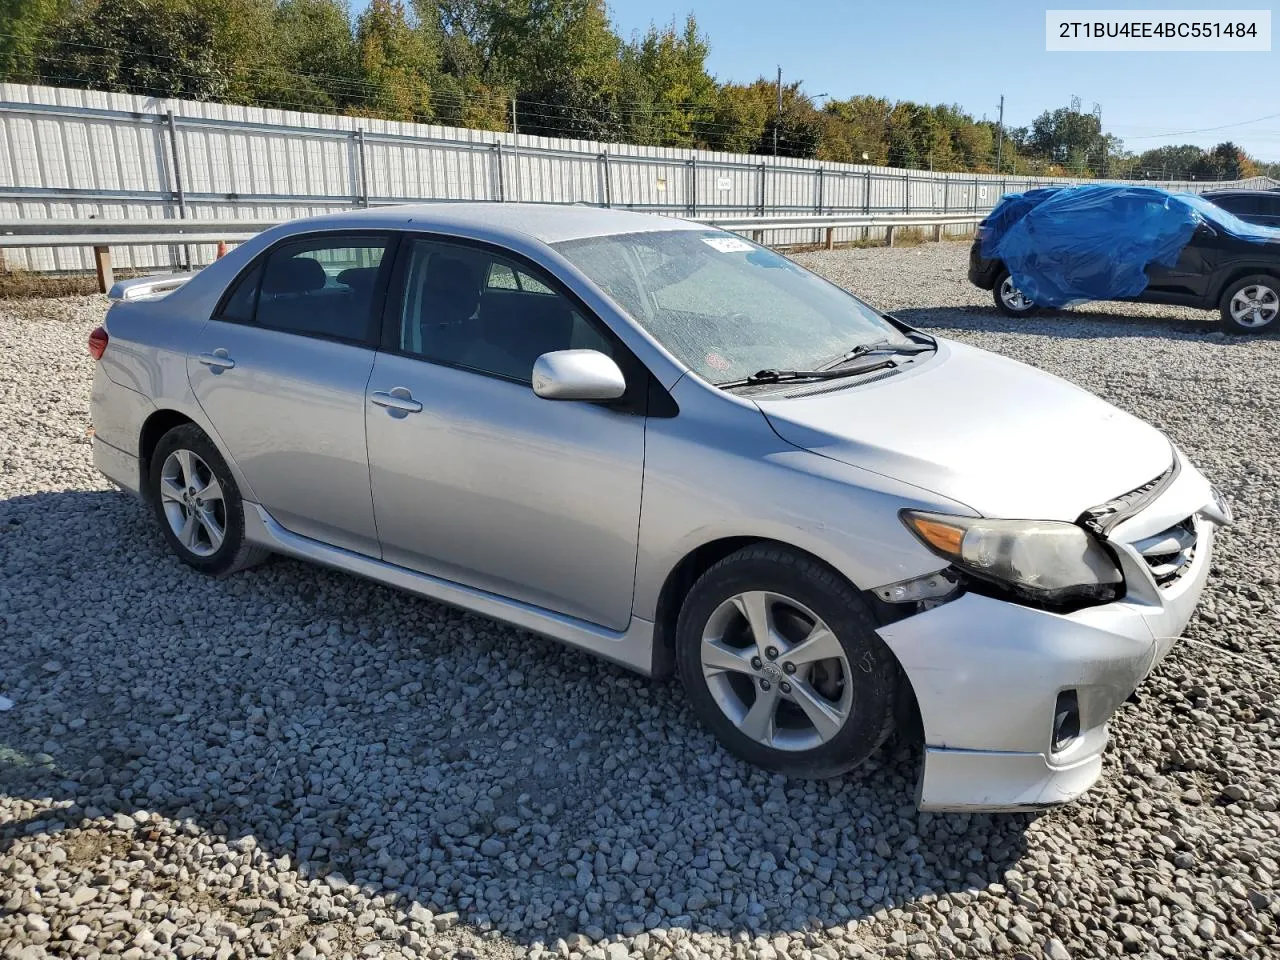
(502, 186)
(102, 265)
(906, 180)
(866, 194)
(975, 194)
(946, 194)
(831, 238)
(760, 204)
(177, 181)
(363, 199)
(888, 235)
(817, 207)
(608, 186)
(692, 192)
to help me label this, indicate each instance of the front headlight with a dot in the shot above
(1044, 560)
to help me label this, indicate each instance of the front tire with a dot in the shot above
(1009, 299)
(1251, 304)
(781, 661)
(198, 504)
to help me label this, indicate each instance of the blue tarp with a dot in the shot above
(1071, 244)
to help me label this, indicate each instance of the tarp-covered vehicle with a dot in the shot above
(1057, 247)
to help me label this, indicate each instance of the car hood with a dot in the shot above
(999, 436)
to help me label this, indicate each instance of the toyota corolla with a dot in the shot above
(676, 449)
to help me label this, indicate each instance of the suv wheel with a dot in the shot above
(198, 504)
(781, 661)
(1251, 304)
(1009, 299)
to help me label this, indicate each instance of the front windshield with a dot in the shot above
(725, 307)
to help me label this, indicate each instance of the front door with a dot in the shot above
(475, 478)
(281, 372)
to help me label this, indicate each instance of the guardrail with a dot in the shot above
(102, 235)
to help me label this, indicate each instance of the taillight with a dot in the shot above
(98, 342)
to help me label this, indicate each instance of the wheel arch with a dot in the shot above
(682, 576)
(1239, 273)
(161, 421)
(157, 424)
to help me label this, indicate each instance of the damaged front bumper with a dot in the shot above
(1015, 700)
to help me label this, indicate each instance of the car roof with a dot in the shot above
(547, 222)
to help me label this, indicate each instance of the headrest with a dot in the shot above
(299, 274)
(358, 278)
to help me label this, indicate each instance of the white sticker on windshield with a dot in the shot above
(727, 244)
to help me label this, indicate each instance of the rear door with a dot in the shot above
(281, 371)
(1191, 276)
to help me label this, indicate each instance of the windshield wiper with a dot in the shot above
(787, 376)
(879, 346)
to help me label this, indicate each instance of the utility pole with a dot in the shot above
(777, 120)
(1000, 135)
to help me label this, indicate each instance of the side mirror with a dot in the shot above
(577, 375)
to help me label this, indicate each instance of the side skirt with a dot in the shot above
(632, 648)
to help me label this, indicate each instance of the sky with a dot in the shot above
(971, 51)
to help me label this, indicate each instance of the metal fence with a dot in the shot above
(76, 155)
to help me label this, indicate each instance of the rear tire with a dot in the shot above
(1009, 300)
(198, 505)
(814, 696)
(1251, 304)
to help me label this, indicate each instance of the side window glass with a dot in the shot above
(322, 287)
(1241, 206)
(466, 307)
(238, 307)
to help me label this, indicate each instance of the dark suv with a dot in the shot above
(1214, 271)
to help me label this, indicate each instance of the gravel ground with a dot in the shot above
(293, 762)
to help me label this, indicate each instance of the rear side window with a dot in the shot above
(1241, 206)
(238, 307)
(321, 287)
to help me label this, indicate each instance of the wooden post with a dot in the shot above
(937, 233)
(831, 238)
(102, 263)
(888, 235)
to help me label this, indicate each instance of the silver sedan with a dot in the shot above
(680, 451)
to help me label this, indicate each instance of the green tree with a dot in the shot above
(1167, 163)
(1226, 161)
(24, 24)
(317, 52)
(854, 127)
(398, 60)
(739, 117)
(159, 48)
(668, 97)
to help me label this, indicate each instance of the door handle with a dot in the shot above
(217, 361)
(396, 400)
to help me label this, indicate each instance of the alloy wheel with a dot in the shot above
(193, 502)
(1255, 305)
(776, 671)
(1012, 296)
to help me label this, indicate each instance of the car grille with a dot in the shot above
(1169, 553)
